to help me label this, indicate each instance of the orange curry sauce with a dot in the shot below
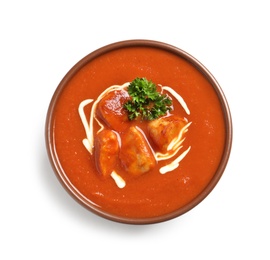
(151, 194)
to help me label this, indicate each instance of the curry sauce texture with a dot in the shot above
(143, 167)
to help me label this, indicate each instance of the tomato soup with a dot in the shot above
(152, 194)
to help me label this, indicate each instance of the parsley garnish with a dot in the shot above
(146, 102)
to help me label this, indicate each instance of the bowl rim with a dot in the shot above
(59, 172)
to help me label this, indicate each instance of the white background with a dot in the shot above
(42, 40)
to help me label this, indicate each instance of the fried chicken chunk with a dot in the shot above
(136, 155)
(106, 151)
(110, 110)
(163, 130)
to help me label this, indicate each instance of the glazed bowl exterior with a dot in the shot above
(73, 191)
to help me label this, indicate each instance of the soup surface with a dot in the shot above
(153, 193)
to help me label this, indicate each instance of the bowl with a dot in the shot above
(143, 170)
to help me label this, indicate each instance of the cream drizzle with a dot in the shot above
(88, 141)
(178, 97)
(173, 148)
(118, 180)
(174, 164)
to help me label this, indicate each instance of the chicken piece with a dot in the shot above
(106, 151)
(163, 130)
(136, 155)
(110, 110)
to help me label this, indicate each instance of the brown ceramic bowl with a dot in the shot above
(66, 162)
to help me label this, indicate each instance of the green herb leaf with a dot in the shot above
(146, 102)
